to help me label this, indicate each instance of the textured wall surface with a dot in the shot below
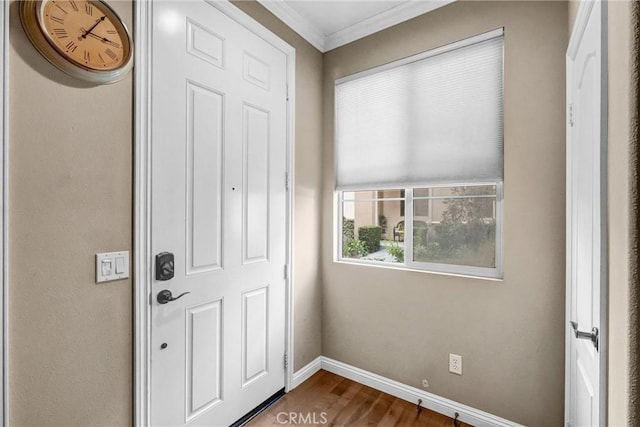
(622, 264)
(403, 324)
(70, 168)
(634, 283)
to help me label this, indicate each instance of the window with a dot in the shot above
(419, 160)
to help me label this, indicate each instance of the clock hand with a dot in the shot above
(84, 34)
(104, 40)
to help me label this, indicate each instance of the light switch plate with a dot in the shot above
(112, 266)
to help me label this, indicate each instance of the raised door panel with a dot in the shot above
(255, 329)
(584, 397)
(203, 369)
(204, 178)
(256, 71)
(256, 131)
(205, 44)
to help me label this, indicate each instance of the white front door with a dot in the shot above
(219, 205)
(586, 216)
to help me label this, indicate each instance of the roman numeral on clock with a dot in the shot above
(74, 5)
(58, 20)
(61, 33)
(87, 56)
(110, 54)
(71, 46)
(88, 8)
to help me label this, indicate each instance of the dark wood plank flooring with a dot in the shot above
(327, 399)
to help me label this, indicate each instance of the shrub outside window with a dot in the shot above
(454, 229)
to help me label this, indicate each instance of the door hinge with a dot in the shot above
(286, 361)
(287, 93)
(571, 115)
(286, 271)
(286, 181)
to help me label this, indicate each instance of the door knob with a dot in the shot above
(165, 296)
(581, 335)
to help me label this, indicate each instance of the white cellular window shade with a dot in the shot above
(435, 118)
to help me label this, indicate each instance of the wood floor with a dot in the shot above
(327, 399)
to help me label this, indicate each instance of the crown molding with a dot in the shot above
(296, 22)
(388, 18)
(325, 42)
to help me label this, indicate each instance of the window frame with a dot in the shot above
(428, 267)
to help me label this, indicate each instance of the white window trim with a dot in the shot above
(426, 267)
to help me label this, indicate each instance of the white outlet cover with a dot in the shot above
(425, 383)
(455, 364)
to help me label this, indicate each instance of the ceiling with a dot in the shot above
(328, 24)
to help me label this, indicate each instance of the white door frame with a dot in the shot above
(579, 27)
(4, 223)
(143, 264)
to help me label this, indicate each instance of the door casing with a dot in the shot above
(584, 11)
(142, 260)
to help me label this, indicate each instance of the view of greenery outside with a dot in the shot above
(466, 234)
(451, 225)
(396, 251)
(367, 232)
(351, 248)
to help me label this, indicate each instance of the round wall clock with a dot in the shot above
(84, 38)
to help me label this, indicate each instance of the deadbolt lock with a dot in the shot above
(164, 266)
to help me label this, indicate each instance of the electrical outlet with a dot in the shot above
(455, 364)
(425, 383)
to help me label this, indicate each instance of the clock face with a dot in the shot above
(86, 33)
(84, 38)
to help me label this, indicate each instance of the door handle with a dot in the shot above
(581, 335)
(165, 296)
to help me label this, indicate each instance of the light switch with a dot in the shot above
(106, 267)
(112, 266)
(119, 264)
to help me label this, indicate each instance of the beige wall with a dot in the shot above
(619, 185)
(70, 340)
(573, 13)
(403, 324)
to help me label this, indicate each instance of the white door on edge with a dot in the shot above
(219, 131)
(586, 263)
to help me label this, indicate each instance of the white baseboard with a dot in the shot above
(430, 401)
(306, 372)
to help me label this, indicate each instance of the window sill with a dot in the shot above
(402, 267)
